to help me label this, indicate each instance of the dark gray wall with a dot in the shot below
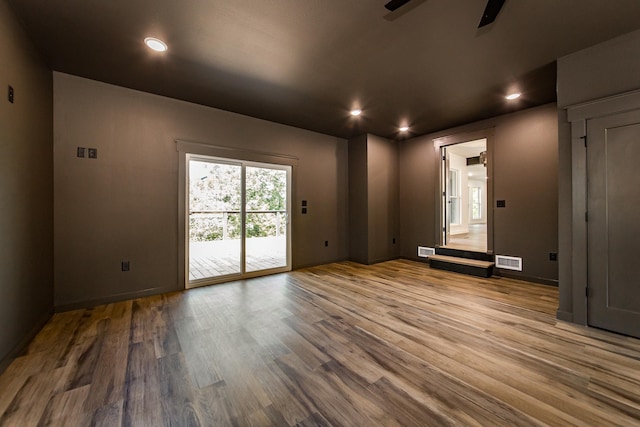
(602, 70)
(418, 182)
(382, 189)
(373, 199)
(124, 205)
(525, 164)
(525, 175)
(358, 200)
(26, 189)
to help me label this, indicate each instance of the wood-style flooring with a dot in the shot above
(392, 344)
(475, 240)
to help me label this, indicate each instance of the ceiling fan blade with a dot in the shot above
(491, 12)
(394, 4)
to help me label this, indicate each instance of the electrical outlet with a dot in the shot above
(93, 153)
(304, 211)
(394, 240)
(10, 96)
(553, 256)
(326, 243)
(501, 204)
(126, 266)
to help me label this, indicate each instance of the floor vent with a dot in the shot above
(424, 251)
(509, 262)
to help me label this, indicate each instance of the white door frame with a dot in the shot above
(226, 154)
(443, 142)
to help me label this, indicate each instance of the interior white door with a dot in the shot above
(446, 198)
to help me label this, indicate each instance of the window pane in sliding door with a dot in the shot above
(215, 199)
(266, 218)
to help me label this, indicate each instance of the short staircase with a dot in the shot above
(478, 264)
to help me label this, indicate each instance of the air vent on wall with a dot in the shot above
(509, 262)
(424, 251)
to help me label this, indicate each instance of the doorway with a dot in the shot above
(237, 219)
(464, 196)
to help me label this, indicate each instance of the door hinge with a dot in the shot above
(444, 157)
(586, 292)
(586, 217)
(584, 138)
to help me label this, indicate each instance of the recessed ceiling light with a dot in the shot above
(356, 112)
(155, 44)
(514, 95)
(403, 128)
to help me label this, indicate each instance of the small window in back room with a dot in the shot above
(476, 203)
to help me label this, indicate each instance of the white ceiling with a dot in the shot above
(468, 149)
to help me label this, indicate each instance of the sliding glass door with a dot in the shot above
(266, 218)
(238, 219)
(215, 214)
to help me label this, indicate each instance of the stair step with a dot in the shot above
(460, 253)
(472, 267)
(463, 261)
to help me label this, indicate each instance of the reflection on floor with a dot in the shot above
(222, 257)
(475, 240)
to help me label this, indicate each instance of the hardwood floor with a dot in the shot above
(393, 344)
(475, 240)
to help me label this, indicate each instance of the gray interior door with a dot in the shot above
(613, 203)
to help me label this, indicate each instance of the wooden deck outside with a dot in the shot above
(392, 344)
(222, 257)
